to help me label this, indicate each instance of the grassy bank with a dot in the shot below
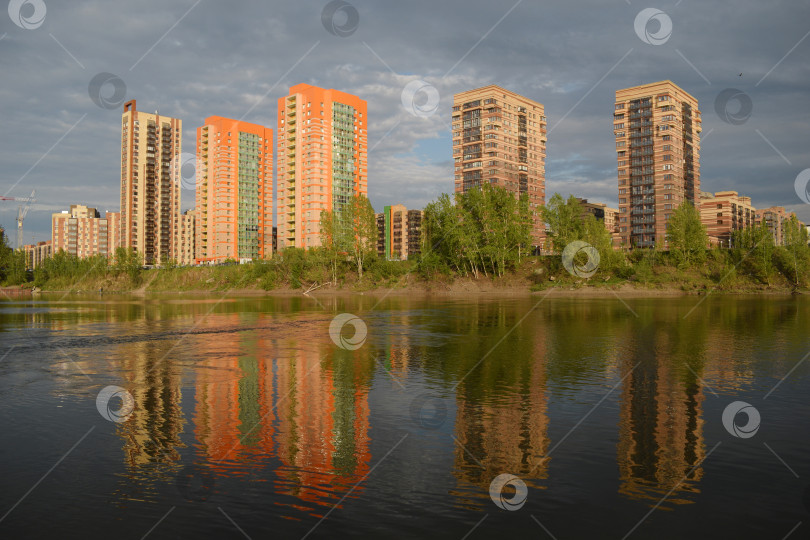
(295, 271)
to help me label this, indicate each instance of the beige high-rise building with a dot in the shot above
(113, 232)
(151, 145)
(499, 137)
(188, 225)
(657, 128)
(80, 231)
(322, 160)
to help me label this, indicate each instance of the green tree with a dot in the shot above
(564, 218)
(129, 262)
(753, 250)
(793, 259)
(687, 236)
(351, 231)
(334, 241)
(5, 256)
(483, 230)
(363, 224)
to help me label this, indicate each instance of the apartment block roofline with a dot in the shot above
(216, 118)
(301, 88)
(654, 84)
(497, 88)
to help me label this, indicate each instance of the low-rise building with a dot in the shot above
(607, 215)
(724, 212)
(774, 218)
(80, 231)
(399, 233)
(36, 253)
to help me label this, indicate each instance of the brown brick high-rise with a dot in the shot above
(657, 128)
(499, 137)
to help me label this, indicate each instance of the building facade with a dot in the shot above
(657, 129)
(499, 137)
(188, 225)
(80, 231)
(724, 212)
(774, 218)
(113, 232)
(234, 191)
(151, 145)
(602, 212)
(322, 160)
(36, 253)
(399, 233)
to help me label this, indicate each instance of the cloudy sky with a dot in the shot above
(195, 58)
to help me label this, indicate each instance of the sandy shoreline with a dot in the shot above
(456, 289)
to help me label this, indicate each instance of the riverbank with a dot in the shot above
(214, 281)
(298, 272)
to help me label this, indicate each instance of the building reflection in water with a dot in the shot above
(661, 441)
(152, 433)
(501, 423)
(296, 398)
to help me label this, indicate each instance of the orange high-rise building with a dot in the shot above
(322, 160)
(657, 128)
(499, 137)
(150, 188)
(234, 191)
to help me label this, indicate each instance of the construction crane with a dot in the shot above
(22, 211)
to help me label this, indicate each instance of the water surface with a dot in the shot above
(249, 420)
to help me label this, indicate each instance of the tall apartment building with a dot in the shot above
(113, 232)
(151, 145)
(657, 128)
(234, 191)
(188, 238)
(322, 160)
(36, 253)
(399, 233)
(499, 137)
(80, 231)
(724, 212)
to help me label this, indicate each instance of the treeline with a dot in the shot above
(482, 233)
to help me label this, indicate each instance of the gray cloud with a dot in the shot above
(230, 58)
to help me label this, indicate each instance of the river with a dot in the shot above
(404, 417)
